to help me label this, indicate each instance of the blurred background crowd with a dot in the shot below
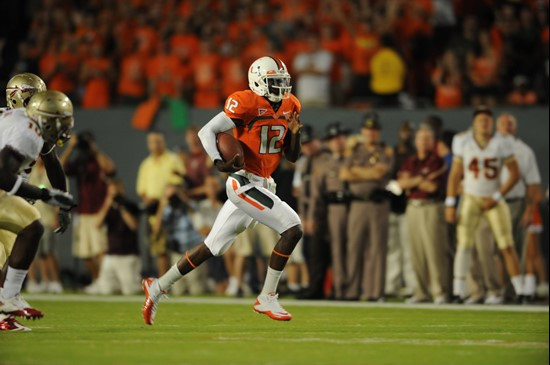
(411, 53)
(357, 243)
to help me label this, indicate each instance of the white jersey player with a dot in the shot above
(479, 156)
(23, 133)
(19, 89)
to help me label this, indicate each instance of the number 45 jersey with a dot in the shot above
(260, 129)
(482, 166)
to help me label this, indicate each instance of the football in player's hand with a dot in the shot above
(229, 147)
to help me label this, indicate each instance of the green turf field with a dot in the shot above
(185, 333)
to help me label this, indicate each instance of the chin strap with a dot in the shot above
(16, 186)
(51, 149)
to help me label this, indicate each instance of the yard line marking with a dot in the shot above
(289, 302)
(402, 341)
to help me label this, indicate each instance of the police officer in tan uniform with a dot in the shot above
(317, 248)
(330, 199)
(367, 172)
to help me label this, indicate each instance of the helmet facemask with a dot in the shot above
(278, 87)
(56, 130)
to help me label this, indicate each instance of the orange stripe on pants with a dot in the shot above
(245, 198)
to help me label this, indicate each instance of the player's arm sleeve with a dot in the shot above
(54, 170)
(220, 123)
(458, 147)
(10, 182)
(507, 149)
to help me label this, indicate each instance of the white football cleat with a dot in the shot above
(494, 299)
(55, 287)
(153, 295)
(17, 306)
(269, 304)
(11, 324)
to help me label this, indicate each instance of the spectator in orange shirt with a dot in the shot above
(447, 81)
(165, 72)
(483, 67)
(241, 26)
(58, 70)
(365, 45)
(146, 34)
(132, 81)
(257, 46)
(234, 72)
(205, 68)
(96, 76)
(522, 94)
(184, 44)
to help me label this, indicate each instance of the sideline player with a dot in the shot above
(265, 120)
(25, 134)
(19, 89)
(479, 156)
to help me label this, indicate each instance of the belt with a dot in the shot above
(513, 200)
(422, 202)
(337, 197)
(254, 181)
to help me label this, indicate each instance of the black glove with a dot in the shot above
(228, 166)
(379, 195)
(64, 217)
(58, 198)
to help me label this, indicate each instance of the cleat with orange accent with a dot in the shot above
(153, 295)
(11, 324)
(17, 306)
(268, 304)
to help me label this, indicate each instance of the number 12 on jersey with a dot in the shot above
(268, 145)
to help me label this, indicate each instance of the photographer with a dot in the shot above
(121, 266)
(84, 161)
(174, 215)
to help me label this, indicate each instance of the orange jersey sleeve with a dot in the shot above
(239, 105)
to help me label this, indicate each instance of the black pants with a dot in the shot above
(318, 261)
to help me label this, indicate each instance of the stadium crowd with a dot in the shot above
(383, 52)
(357, 245)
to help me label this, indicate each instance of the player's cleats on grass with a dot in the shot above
(11, 324)
(494, 299)
(153, 295)
(17, 306)
(269, 304)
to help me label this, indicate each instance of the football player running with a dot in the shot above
(25, 134)
(265, 119)
(479, 156)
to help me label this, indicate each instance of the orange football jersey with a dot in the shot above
(262, 131)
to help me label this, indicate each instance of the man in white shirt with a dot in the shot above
(313, 70)
(525, 196)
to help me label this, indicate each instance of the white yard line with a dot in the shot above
(289, 302)
(401, 341)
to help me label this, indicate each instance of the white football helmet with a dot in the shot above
(269, 77)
